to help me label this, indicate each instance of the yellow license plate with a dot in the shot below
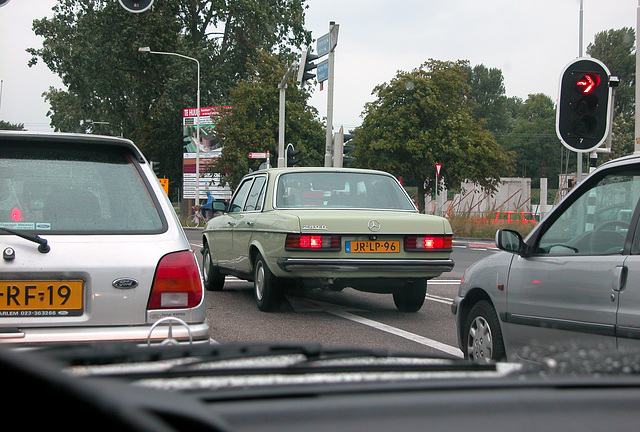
(372, 246)
(19, 298)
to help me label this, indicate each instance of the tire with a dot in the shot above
(411, 298)
(192, 221)
(265, 286)
(213, 279)
(482, 334)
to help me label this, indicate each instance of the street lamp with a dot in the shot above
(148, 50)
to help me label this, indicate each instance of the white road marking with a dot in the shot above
(439, 299)
(342, 313)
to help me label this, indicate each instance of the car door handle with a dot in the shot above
(619, 278)
(231, 223)
(250, 223)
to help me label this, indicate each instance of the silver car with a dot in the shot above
(573, 281)
(92, 249)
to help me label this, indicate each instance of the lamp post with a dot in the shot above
(148, 50)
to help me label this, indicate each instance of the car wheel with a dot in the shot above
(411, 297)
(213, 279)
(265, 286)
(482, 334)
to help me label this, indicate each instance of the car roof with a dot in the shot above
(75, 138)
(634, 158)
(318, 169)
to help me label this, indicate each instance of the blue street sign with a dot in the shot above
(324, 45)
(323, 71)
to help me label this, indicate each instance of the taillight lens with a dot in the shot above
(177, 282)
(16, 214)
(427, 243)
(312, 242)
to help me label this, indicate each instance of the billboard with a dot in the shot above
(209, 151)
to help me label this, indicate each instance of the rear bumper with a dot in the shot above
(356, 265)
(140, 334)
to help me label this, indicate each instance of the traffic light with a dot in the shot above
(306, 64)
(583, 116)
(136, 6)
(156, 167)
(347, 149)
(291, 155)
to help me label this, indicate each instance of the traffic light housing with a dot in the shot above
(347, 149)
(583, 116)
(136, 6)
(156, 167)
(305, 65)
(291, 155)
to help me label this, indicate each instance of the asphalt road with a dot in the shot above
(346, 318)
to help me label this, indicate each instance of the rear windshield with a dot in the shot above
(341, 190)
(63, 188)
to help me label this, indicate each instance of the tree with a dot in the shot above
(423, 117)
(93, 46)
(488, 92)
(252, 124)
(615, 48)
(11, 126)
(534, 141)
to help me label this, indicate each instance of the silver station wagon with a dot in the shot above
(92, 249)
(572, 284)
(330, 228)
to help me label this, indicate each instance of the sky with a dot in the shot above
(529, 41)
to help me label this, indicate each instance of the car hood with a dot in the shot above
(352, 221)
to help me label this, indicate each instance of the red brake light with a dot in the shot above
(16, 214)
(312, 241)
(427, 243)
(177, 282)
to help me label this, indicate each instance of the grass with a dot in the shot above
(473, 228)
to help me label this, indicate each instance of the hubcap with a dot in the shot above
(259, 280)
(207, 266)
(480, 341)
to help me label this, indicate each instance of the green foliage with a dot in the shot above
(11, 126)
(616, 49)
(93, 46)
(252, 125)
(423, 117)
(534, 141)
(487, 91)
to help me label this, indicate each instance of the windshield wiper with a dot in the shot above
(43, 245)
(249, 359)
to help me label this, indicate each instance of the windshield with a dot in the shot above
(340, 190)
(322, 171)
(52, 188)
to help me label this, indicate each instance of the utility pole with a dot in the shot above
(637, 134)
(283, 96)
(333, 41)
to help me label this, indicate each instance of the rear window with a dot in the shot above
(62, 188)
(341, 190)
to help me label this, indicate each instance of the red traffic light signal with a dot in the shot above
(583, 116)
(587, 83)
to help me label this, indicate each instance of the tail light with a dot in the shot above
(427, 243)
(177, 282)
(16, 214)
(313, 242)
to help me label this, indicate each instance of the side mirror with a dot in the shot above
(510, 241)
(219, 206)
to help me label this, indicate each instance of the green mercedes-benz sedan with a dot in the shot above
(330, 228)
